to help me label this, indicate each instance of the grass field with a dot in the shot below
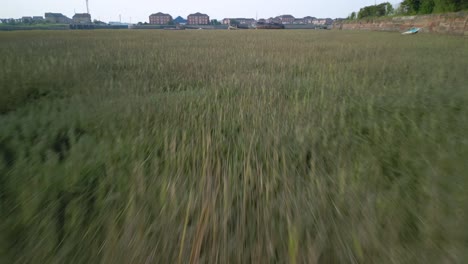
(233, 147)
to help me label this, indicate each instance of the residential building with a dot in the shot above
(286, 19)
(198, 19)
(299, 21)
(37, 18)
(241, 21)
(323, 21)
(57, 18)
(318, 21)
(180, 21)
(274, 20)
(160, 19)
(26, 19)
(309, 20)
(82, 18)
(261, 20)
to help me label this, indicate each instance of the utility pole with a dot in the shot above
(87, 7)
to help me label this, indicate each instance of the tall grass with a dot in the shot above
(233, 147)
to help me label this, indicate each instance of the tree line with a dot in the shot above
(411, 7)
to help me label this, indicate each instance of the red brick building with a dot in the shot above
(198, 19)
(309, 20)
(160, 19)
(286, 19)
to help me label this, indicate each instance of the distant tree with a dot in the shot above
(412, 7)
(382, 9)
(443, 6)
(426, 7)
(171, 22)
(461, 5)
(367, 11)
(389, 10)
(215, 22)
(98, 22)
(352, 16)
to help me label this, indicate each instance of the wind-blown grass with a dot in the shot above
(233, 147)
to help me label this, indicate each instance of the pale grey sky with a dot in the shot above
(139, 10)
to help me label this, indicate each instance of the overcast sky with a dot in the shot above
(139, 10)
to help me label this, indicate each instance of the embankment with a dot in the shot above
(450, 23)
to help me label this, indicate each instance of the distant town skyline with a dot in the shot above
(139, 10)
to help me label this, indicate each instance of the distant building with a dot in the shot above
(241, 21)
(57, 18)
(160, 19)
(275, 20)
(261, 20)
(299, 21)
(286, 19)
(26, 19)
(180, 20)
(198, 19)
(82, 18)
(318, 22)
(38, 19)
(309, 20)
(323, 21)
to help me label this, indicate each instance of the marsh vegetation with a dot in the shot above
(233, 147)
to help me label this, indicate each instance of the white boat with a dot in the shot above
(411, 31)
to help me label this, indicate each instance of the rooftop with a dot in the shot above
(180, 19)
(198, 14)
(160, 14)
(240, 18)
(84, 15)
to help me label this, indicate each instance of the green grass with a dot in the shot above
(233, 147)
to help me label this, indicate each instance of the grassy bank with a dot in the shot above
(240, 146)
